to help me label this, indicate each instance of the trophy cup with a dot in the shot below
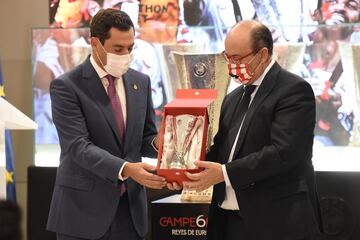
(289, 56)
(204, 71)
(207, 71)
(350, 58)
(184, 129)
(168, 70)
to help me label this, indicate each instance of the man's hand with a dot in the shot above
(173, 186)
(139, 172)
(201, 181)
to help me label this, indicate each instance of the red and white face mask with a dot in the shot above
(241, 71)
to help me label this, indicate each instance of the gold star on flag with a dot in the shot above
(9, 177)
(2, 93)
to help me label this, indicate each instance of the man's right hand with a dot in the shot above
(174, 186)
(140, 172)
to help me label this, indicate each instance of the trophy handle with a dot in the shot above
(289, 56)
(350, 58)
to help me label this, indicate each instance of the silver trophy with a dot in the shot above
(182, 126)
(182, 137)
(169, 73)
(350, 58)
(289, 56)
(178, 161)
(205, 71)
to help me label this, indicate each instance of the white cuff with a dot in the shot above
(153, 145)
(226, 177)
(120, 172)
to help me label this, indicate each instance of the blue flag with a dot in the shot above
(9, 173)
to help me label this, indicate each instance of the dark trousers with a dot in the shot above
(226, 225)
(229, 225)
(122, 227)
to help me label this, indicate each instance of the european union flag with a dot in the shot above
(10, 176)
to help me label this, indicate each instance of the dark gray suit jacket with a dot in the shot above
(86, 193)
(272, 172)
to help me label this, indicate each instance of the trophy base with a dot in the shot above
(177, 166)
(193, 196)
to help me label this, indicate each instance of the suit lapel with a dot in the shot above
(97, 91)
(131, 106)
(263, 91)
(234, 128)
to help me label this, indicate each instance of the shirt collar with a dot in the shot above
(262, 76)
(101, 73)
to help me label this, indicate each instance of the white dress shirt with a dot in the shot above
(230, 201)
(120, 90)
(119, 86)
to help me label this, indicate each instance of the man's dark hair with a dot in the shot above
(106, 19)
(261, 37)
(10, 218)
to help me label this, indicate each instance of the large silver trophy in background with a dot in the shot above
(350, 58)
(204, 71)
(207, 71)
(168, 70)
(290, 56)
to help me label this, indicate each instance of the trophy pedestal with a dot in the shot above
(350, 58)
(174, 219)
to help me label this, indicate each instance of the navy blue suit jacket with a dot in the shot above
(86, 193)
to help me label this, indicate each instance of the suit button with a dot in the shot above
(252, 185)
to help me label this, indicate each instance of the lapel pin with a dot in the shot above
(135, 87)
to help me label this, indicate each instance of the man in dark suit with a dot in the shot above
(260, 162)
(105, 120)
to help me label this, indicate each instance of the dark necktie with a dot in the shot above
(240, 111)
(242, 106)
(116, 106)
(117, 110)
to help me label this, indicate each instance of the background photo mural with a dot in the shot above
(320, 27)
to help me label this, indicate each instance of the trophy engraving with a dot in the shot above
(200, 69)
(170, 76)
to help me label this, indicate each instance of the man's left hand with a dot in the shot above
(211, 175)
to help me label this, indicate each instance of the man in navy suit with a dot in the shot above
(105, 120)
(260, 162)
